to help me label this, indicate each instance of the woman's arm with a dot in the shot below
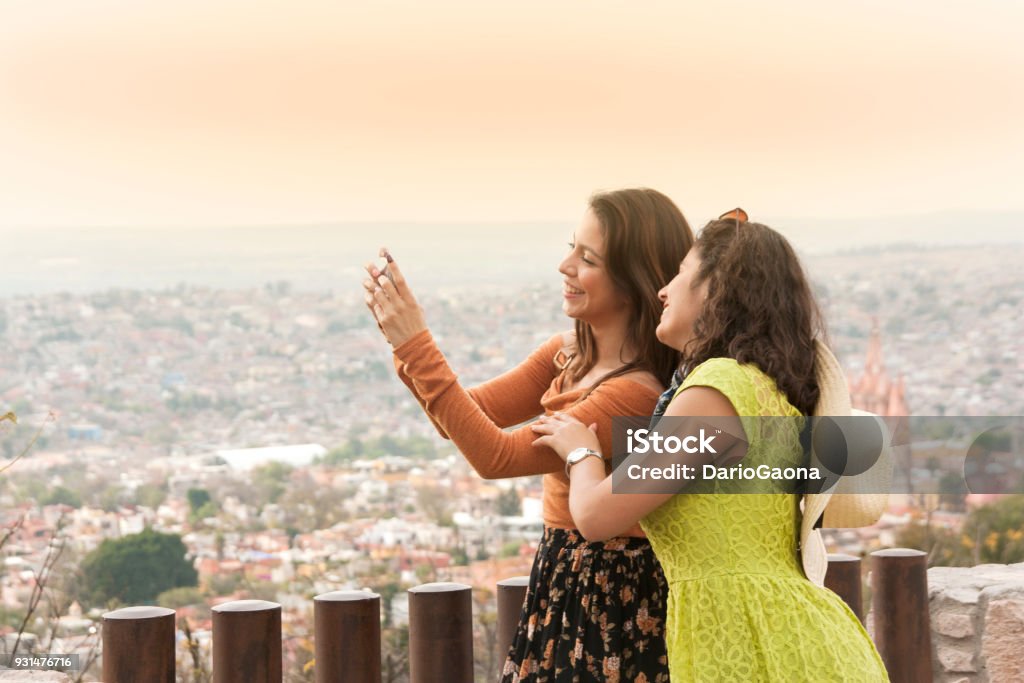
(493, 452)
(509, 399)
(407, 381)
(600, 513)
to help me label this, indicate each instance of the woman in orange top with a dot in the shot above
(593, 611)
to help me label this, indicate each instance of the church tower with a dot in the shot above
(874, 391)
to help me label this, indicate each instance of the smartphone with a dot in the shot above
(385, 254)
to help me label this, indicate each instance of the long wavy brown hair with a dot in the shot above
(759, 308)
(645, 236)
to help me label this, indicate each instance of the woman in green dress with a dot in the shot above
(740, 607)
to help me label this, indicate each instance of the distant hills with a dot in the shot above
(329, 256)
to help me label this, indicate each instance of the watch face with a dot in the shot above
(576, 454)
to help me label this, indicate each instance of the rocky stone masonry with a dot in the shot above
(977, 620)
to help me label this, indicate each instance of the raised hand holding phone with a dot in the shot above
(393, 305)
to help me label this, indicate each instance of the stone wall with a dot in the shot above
(977, 621)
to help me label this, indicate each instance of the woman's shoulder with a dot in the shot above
(737, 381)
(557, 350)
(640, 384)
(643, 378)
(717, 369)
(560, 341)
(566, 340)
(744, 384)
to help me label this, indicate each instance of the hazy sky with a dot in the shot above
(216, 113)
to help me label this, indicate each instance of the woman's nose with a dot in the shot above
(663, 294)
(567, 267)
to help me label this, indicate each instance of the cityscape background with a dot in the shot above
(264, 425)
(188, 192)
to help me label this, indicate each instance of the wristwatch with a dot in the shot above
(578, 454)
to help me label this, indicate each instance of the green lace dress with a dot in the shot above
(740, 608)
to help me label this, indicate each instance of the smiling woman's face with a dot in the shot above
(681, 303)
(588, 293)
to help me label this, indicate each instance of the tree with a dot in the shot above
(485, 636)
(110, 498)
(61, 495)
(508, 503)
(197, 498)
(992, 533)
(269, 482)
(201, 505)
(43, 585)
(459, 556)
(997, 531)
(135, 569)
(150, 495)
(510, 549)
(953, 491)
(351, 450)
(180, 597)
(418, 447)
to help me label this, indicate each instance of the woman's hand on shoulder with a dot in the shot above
(563, 433)
(393, 305)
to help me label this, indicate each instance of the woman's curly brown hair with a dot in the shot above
(759, 308)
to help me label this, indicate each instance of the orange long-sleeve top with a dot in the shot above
(476, 420)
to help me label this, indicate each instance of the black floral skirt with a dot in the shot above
(594, 611)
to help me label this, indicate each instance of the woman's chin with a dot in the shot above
(570, 310)
(670, 339)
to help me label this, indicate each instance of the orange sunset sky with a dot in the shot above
(231, 113)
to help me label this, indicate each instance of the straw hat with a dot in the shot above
(854, 501)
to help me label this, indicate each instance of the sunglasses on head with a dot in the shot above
(737, 214)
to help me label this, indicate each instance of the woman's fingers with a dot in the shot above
(388, 296)
(557, 419)
(399, 280)
(373, 298)
(382, 303)
(369, 288)
(388, 286)
(395, 284)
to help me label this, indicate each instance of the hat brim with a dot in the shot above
(854, 501)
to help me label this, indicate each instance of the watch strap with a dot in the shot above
(587, 452)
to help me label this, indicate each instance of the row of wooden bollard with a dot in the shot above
(899, 605)
(139, 642)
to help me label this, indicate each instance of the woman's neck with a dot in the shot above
(610, 353)
(611, 346)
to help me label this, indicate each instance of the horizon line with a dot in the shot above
(470, 222)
